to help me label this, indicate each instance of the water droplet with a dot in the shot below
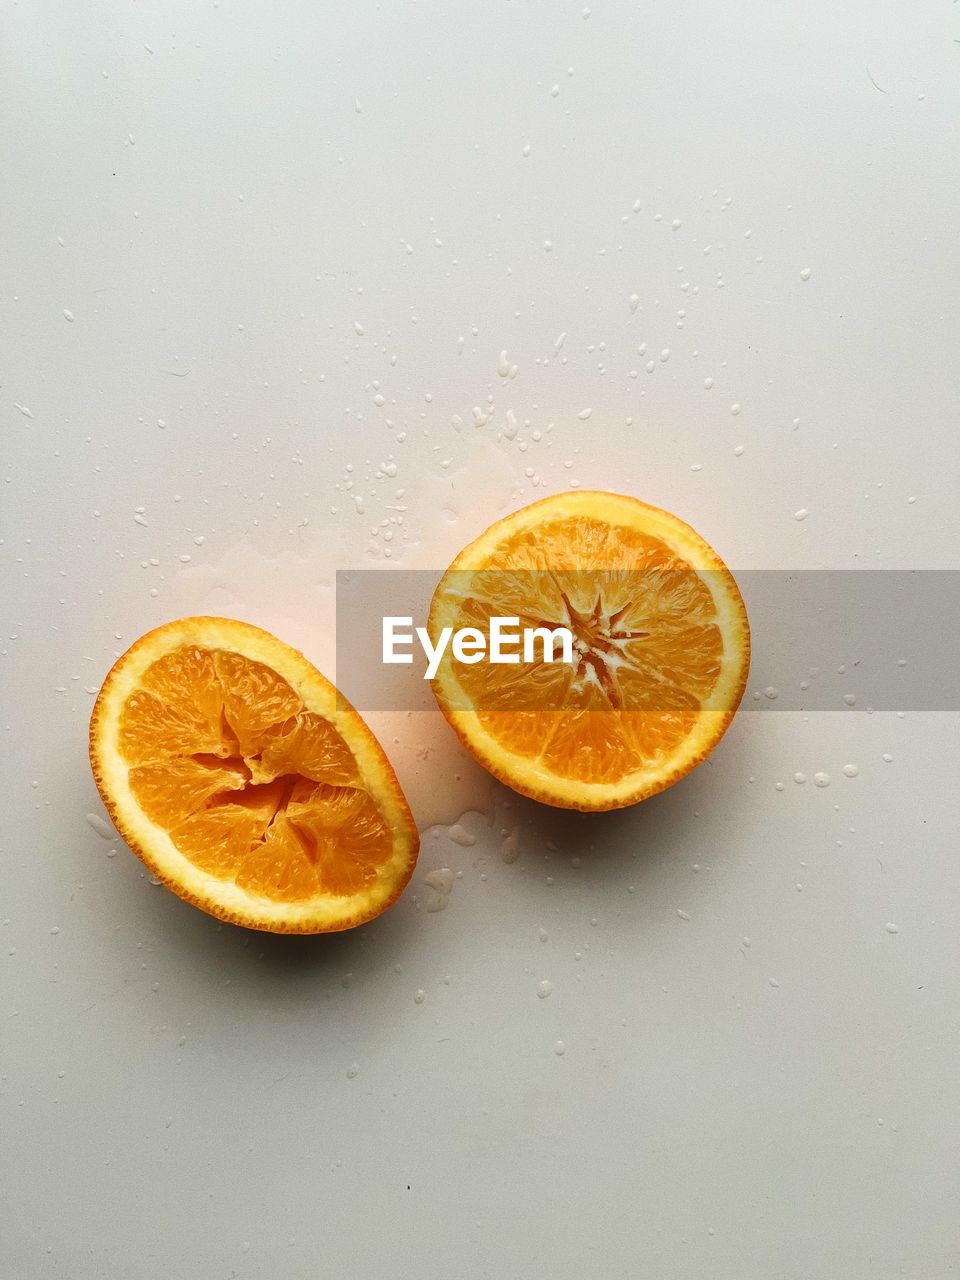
(509, 847)
(559, 1048)
(850, 771)
(821, 779)
(353, 1071)
(806, 273)
(682, 914)
(801, 514)
(67, 315)
(773, 982)
(735, 410)
(708, 383)
(101, 826)
(891, 927)
(441, 882)
(800, 778)
(584, 414)
(420, 996)
(547, 245)
(544, 988)
(358, 328)
(887, 757)
(460, 835)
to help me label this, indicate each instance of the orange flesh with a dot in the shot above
(648, 658)
(250, 786)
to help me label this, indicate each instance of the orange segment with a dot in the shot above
(590, 747)
(217, 839)
(254, 697)
(169, 792)
(185, 680)
(347, 833)
(279, 866)
(152, 727)
(310, 745)
(526, 685)
(523, 733)
(328, 839)
(661, 650)
(246, 783)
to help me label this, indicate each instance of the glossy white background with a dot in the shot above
(258, 264)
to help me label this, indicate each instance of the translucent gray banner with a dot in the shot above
(822, 640)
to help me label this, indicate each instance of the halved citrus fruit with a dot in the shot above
(246, 783)
(660, 650)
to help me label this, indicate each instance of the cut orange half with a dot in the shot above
(659, 655)
(246, 783)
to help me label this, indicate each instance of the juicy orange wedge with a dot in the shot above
(660, 649)
(246, 783)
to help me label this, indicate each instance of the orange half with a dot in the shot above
(661, 650)
(236, 772)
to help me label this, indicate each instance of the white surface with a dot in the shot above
(235, 188)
